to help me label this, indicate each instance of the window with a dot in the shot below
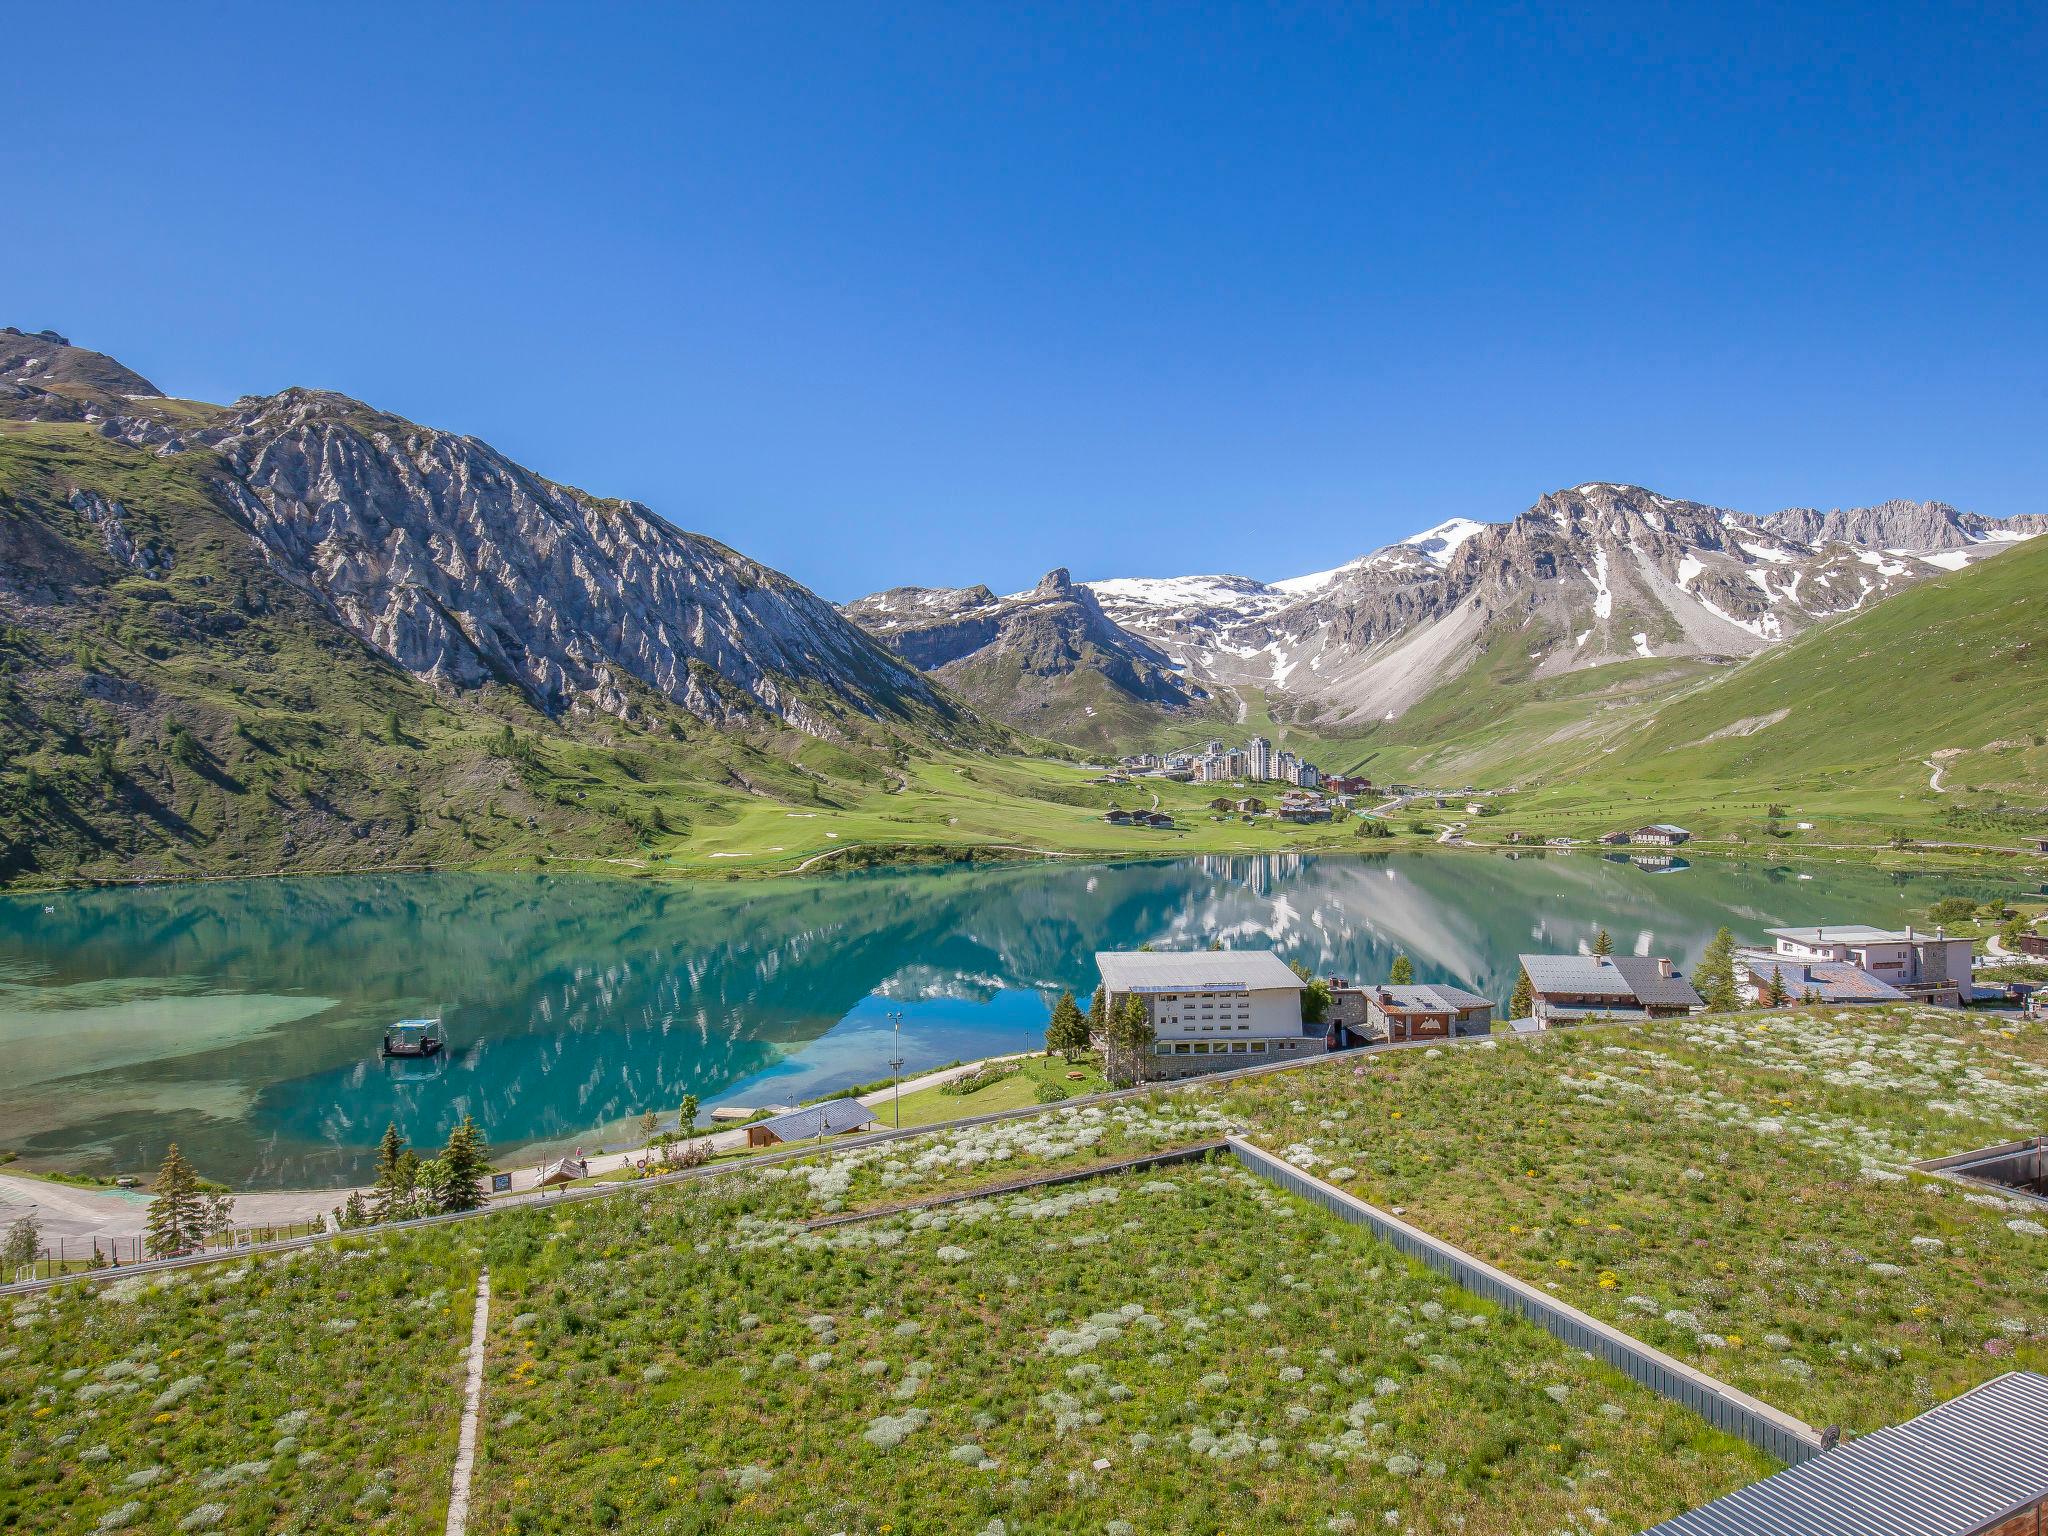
(1258, 1047)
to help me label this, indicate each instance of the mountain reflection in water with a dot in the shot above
(242, 1020)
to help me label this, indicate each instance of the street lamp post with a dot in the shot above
(896, 1069)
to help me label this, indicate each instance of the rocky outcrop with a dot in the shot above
(1924, 527)
(1593, 574)
(1047, 659)
(463, 567)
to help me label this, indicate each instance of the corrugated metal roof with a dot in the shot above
(1194, 971)
(826, 1119)
(1950, 1472)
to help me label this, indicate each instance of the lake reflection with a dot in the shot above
(243, 1020)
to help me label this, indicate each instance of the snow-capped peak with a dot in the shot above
(1440, 542)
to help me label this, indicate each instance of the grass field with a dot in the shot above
(1182, 1350)
(1734, 1189)
(1022, 1085)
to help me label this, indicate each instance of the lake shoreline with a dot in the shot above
(1989, 863)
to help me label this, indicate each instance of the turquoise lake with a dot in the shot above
(243, 1019)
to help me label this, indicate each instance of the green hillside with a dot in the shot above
(1846, 728)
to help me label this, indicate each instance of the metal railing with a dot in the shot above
(1770, 1430)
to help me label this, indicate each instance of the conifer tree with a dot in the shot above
(1715, 975)
(1603, 943)
(1775, 996)
(463, 1168)
(1402, 972)
(1098, 1010)
(177, 1214)
(397, 1169)
(1523, 1003)
(1068, 1031)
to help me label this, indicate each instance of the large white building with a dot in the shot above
(1259, 752)
(1212, 1009)
(1930, 967)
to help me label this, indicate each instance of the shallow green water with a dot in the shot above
(243, 1020)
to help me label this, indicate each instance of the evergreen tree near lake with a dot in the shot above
(1714, 976)
(1775, 996)
(1523, 1003)
(178, 1215)
(1402, 972)
(463, 1168)
(1098, 1010)
(1603, 943)
(1067, 1033)
(1131, 1037)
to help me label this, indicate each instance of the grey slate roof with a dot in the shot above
(826, 1119)
(1652, 988)
(1583, 975)
(1225, 970)
(1837, 981)
(1430, 997)
(1627, 978)
(1954, 1470)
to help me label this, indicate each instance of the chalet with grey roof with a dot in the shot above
(1569, 988)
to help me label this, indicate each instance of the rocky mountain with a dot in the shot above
(44, 364)
(461, 567)
(1047, 660)
(1594, 574)
(297, 632)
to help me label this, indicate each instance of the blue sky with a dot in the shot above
(958, 293)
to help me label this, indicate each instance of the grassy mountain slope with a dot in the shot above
(1847, 726)
(199, 714)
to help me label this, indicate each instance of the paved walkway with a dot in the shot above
(76, 1214)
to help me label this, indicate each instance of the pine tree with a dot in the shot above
(1068, 1031)
(1523, 1003)
(463, 1168)
(1715, 974)
(1402, 973)
(177, 1215)
(393, 1186)
(1603, 943)
(1775, 996)
(1098, 1010)
(1133, 1035)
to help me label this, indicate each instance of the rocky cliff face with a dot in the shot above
(463, 568)
(1048, 659)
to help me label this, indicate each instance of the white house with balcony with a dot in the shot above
(1212, 1009)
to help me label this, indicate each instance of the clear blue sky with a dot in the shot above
(944, 294)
